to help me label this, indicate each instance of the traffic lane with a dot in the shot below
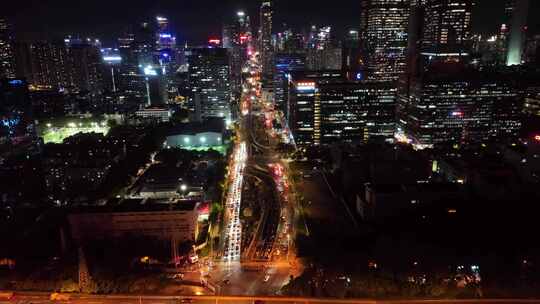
(252, 282)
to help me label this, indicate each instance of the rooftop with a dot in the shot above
(138, 205)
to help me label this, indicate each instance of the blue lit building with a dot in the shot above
(16, 121)
(285, 64)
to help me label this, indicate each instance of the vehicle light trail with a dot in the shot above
(234, 198)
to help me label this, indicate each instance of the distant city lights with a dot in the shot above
(150, 71)
(214, 41)
(112, 58)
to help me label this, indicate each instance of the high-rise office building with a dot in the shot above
(7, 56)
(165, 46)
(131, 77)
(456, 104)
(384, 31)
(285, 64)
(517, 12)
(265, 40)
(137, 47)
(45, 64)
(111, 68)
(86, 67)
(441, 98)
(75, 65)
(237, 39)
(439, 31)
(209, 78)
(144, 44)
(351, 58)
(237, 32)
(447, 23)
(326, 108)
(322, 52)
(156, 86)
(329, 58)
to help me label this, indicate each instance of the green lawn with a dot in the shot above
(57, 135)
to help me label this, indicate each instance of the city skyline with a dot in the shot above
(107, 20)
(186, 151)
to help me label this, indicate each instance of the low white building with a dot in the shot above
(209, 133)
(155, 114)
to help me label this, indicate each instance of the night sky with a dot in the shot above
(196, 20)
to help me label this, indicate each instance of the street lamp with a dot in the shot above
(183, 187)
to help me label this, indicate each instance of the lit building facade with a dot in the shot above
(517, 11)
(236, 39)
(447, 23)
(285, 64)
(266, 48)
(209, 78)
(355, 112)
(45, 64)
(352, 62)
(131, 80)
(322, 52)
(326, 108)
(452, 104)
(384, 32)
(7, 57)
(86, 66)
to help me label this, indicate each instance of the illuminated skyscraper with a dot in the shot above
(131, 79)
(86, 67)
(165, 44)
(384, 31)
(352, 62)
(517, 11)
(209, 78)
(7, 59)
(454, 104)
(113, 62)
(326, 108)
(285, 64)
(265, 40)
(322, 52)
(447, 23)
(137, 47)
(439, 31)
(156, 86)
(442, 100)
(45, 64)
(237, 39)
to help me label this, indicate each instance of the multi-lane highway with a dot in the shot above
(233, 229)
